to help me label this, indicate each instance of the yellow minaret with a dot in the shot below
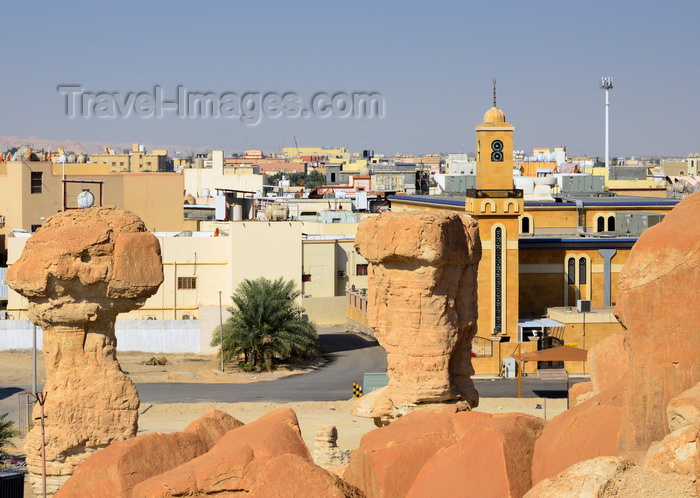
(497, 206)
(494, 150)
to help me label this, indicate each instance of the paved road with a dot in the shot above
(349, 357)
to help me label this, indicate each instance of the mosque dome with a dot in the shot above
(494, 116)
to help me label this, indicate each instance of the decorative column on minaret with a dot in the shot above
(497, 205)
(79, 271)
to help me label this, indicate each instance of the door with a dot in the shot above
(546, 343)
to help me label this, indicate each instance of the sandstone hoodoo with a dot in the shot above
(657, 306)
(422, 306)
(78, 272)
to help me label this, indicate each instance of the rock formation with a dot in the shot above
(656, 305)
(493, 460)
(124, 464)
(390, 458)
(684, 409)
(580, 392)
(78, 272)
(422, 305)
(266, 458)
(326, 451)
(588, 430)
(591, 478)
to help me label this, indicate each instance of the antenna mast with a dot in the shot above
(494, 92)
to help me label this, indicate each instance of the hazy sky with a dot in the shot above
(432, 61)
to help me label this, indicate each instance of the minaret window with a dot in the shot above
(571, 271)
(582, 271)
(498, 284)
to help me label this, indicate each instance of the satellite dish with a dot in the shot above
(85, 199)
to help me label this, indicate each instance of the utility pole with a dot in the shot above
(221, 331)
(607, 85)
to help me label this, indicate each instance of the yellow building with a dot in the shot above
(331, 153)
(136, 161)
(539, 254)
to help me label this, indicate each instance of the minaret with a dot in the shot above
(497, 206)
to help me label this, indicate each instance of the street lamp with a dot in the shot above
(606, 84)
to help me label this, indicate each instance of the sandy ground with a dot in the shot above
(176, 416)
(16, 368)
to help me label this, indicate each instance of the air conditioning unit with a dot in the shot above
(583, 305)
(342, 274)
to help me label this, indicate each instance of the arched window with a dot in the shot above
(601, 224)
(611, 223)
(571, 271)
(526, 224)
(582, 271)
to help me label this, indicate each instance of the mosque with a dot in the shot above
(553, 249)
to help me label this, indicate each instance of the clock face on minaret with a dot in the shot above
(497, 151)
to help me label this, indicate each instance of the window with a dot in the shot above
(306, 277)
(498, 284)
(582, 271)
(361, 270)
(35, 228)
(482, 348)
(36, 182)
(571, 271)
(611, 224)
(332, 177)
(526, 225)
(186, 283)
(601, 224)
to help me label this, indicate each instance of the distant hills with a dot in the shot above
(38, 143)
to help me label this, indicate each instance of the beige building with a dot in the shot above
(213, 175)
(136, 161)
(33, 191)
(201, 268)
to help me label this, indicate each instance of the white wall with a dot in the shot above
(148, 336)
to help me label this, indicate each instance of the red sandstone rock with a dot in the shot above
(234, 463)
(590, 478)
(684, 409)
(422, 305)
(122, 465)
(657, 306)
(588, 430)
(676, 453)
(607, 362)
(493, 460)
(65, 272)
(289, 475)
(212, 426)
(389, 459)
(580, 392)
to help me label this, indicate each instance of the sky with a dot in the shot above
(432, 62)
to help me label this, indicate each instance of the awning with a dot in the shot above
(540, 322)
(562, 353)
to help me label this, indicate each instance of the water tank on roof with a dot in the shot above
(237, 212)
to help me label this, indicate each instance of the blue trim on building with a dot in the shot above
(525, 243)
(566, 203)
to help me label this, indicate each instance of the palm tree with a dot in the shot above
(7, 432)
(266, 324)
